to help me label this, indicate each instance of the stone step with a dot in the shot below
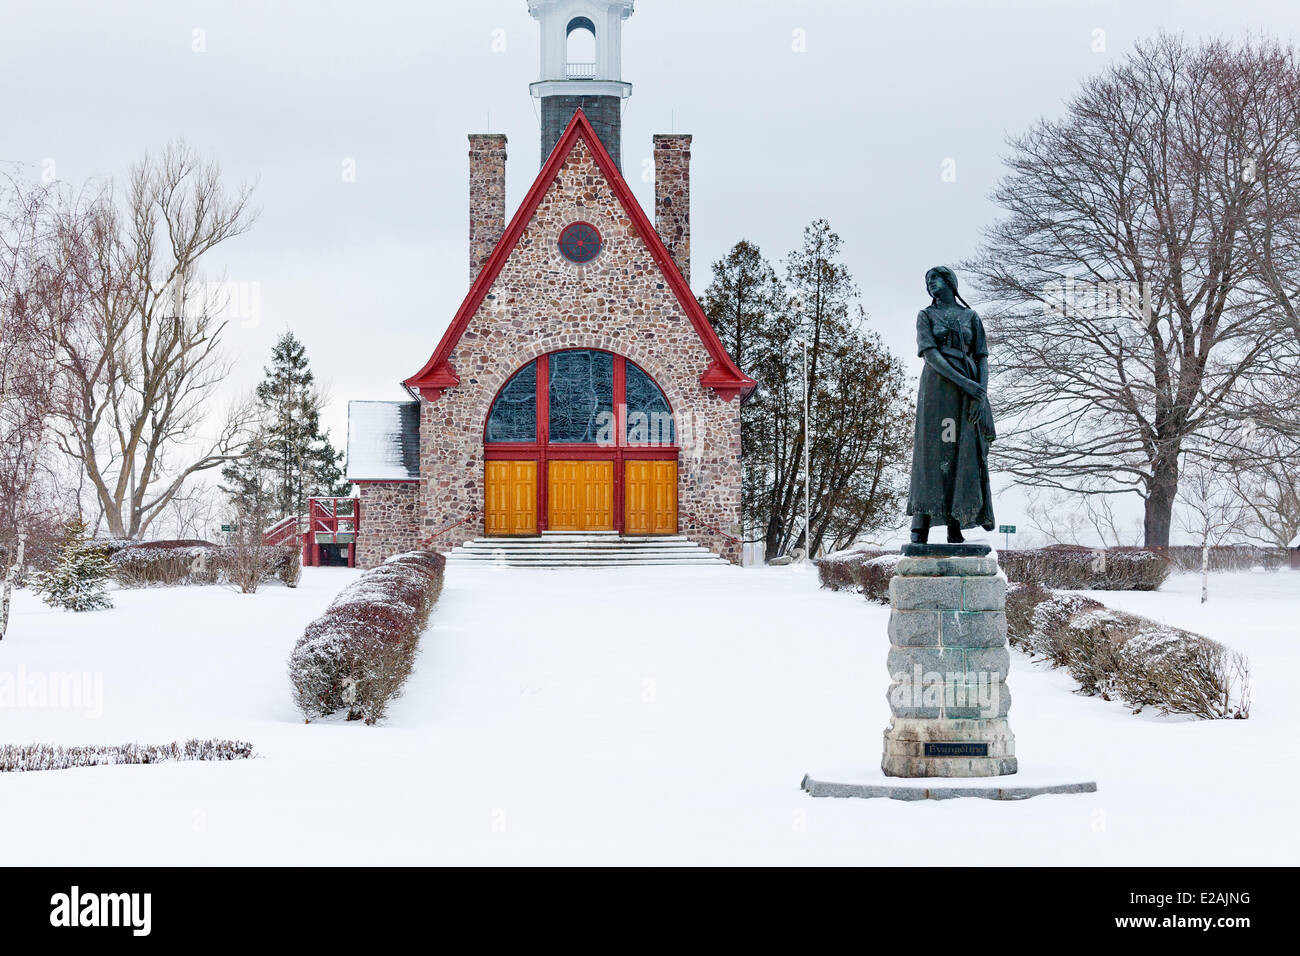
(577, 550)
(582, 546)
(613, 543)
(586, 562)
(583, 549)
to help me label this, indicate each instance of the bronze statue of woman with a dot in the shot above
(954, 424)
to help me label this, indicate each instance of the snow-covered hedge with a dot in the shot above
(1117, 655)
(1076, 568)
(357, 655)
(1061, 566)
(867, 572)
(1227, 557)
(168, 563)
(21, 757)
(838, 571)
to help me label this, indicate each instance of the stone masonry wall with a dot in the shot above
(390, 519)
(673, 196)
(541, 302)
(487, 197)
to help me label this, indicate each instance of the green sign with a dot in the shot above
(1007, 529)
(225, 527)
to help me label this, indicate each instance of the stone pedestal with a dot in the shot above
(948, 658)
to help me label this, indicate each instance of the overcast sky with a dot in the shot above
(854, 124)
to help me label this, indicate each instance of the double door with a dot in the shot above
(581, 495)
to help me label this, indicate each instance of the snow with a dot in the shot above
(670, 721)
(383, 441)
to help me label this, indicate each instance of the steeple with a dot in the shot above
(581, 68)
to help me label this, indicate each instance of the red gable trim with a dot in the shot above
(722, 375)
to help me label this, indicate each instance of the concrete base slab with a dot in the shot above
(1020, 786)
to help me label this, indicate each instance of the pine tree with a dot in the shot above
(78, 580)
(290, 445)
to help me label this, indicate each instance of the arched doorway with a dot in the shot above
(580, 440)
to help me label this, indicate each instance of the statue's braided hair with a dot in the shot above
(949, 277)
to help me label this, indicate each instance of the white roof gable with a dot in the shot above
(383, 441)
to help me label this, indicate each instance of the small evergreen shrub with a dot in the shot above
(358, 654)
(79, 578)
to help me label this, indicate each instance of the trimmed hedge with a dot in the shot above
(1121, 656)
(358, 654)
(171, 563)
(867, 572)
(1112, 654)
(1228, 557)
(1068, 567)
(17, 758)
(1075, 568)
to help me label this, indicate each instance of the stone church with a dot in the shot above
(579, 387)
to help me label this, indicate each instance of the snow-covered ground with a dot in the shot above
(621, 716)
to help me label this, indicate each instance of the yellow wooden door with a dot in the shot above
(580, 496)
(511, 497)
(650, 494)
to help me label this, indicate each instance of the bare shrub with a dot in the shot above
(359, 653)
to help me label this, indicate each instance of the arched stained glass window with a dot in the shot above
(514, 413)
(581, 397)
(649, 420)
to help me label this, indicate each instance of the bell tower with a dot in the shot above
(582, 68)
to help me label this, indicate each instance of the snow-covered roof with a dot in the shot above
(383, 441)
(1295, 542)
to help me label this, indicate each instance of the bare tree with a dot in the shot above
(41, 303)
(1260, 116)
(1065, 518)
(1211, 511)
(251, 513)
(145, 374)
(1126, 317)
(1267, 487)
(194, 512)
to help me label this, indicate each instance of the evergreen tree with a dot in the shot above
(78, 580)
(290, 446)
(858, 399)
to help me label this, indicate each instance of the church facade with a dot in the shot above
(579, 387)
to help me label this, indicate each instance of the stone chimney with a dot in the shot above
(673, 197)
(487, 197)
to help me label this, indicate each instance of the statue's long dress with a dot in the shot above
(950, 474)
